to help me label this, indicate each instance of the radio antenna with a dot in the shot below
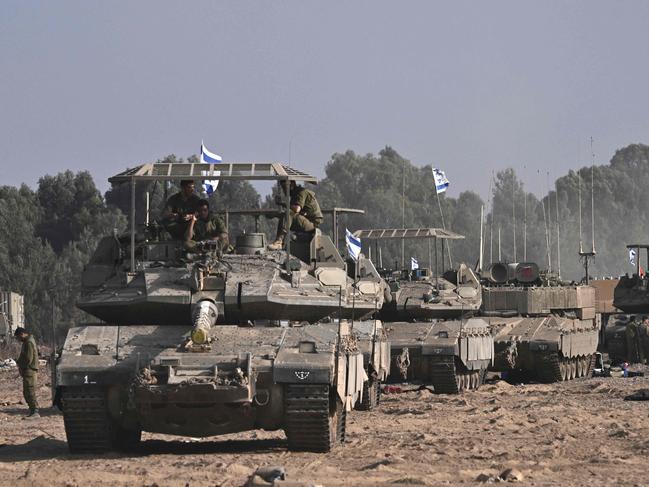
(499, 254)
(587, 256)
(547, 237)
(556, 200)
(514, 211)
(524, 220)
(481, 237)
(581, 245)
(592, 197)
(491, 220)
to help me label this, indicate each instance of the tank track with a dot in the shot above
(312, 423)
(549, 369)
(553, 368)
(371, 395)
(449, 377)
(87, 425)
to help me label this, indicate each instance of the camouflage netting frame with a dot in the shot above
(383, 233)
(251, 171)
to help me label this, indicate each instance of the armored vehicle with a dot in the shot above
(631, 295)
(200, 343)
(541, 326)
(425, 316)
(419, 294)
(374, 345)
(627, 338)
(116, 381)
(451, 355)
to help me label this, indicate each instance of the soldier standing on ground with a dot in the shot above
(305, 214)
(28, 369)
(180, 208)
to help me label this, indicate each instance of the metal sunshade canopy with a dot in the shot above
(383, 233)
(224, 171)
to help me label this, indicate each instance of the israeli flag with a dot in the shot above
(441, 181)
(209, 186)
(632, 256)
(353, 245)
(414, 265)
(208, 157)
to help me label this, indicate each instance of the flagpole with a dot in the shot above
(448, 246)
(403, 213)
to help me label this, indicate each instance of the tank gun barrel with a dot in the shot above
(204, 315)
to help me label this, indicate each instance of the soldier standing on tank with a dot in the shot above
(205, 226)
(28, 369)
(305, 214)
(180, 208)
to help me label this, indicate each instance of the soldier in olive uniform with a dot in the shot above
(305, 214)
(205, 226)
(180, 208)
(28, 369)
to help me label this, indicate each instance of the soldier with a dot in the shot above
(205, 226)
(305, 214)
(28, 369)
(180, 208)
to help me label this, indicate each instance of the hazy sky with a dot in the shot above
(468, 86)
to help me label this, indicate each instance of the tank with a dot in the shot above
(541, 327)
(116, 381)
(427, 317)
(450, 355)
(627, 338)
(631, 295)
(418, 295)
(373, 343)
(200, 343)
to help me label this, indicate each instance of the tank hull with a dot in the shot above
(544, 346)
(144, 378)
(450, 355)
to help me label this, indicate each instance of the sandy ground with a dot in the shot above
(574, 433)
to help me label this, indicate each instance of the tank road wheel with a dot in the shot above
(371, 392)
(585, 365)
(581, 367)
(315, 418)
(573, 368)
(577, 361)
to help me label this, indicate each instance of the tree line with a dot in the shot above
(51, 231)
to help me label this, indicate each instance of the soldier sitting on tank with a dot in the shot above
(179, 209)
(205, 226)
(305, 214)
